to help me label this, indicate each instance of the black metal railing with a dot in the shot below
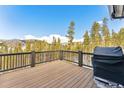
(19, 60)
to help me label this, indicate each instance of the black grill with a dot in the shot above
(108, 64)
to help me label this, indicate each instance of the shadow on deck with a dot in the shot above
(57, 74)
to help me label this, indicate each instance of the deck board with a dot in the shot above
(57, 74)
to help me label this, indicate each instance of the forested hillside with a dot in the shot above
(99, 35)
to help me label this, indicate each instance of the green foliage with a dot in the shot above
(56, 44)
(3, 48)
(105, 21)
(114, 39)
(70, 33)
(86, 38)
(99, 35)
(10, 50)
(86, 43)
(95, 35)
(28, 46)
(19, 47)
(121, 37)
(105, 33)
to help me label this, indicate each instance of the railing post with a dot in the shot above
(61, 55)
(33, 59)
(80, 60)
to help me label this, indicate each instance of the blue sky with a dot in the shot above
(39, 21)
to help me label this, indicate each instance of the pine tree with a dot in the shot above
(86, 42)
(37, 46)
(46, 46)
(78, 46)
(121, 37)
(105, 21)
(114, 39)
(95, 35)
(15, 50)
(54, 43)
(6, 49)
(28, 46)
(19, 47)
(58, 45)
(105, 33)
(11, 50)
(70, 33)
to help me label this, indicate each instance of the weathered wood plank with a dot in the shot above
(41, 78)
(57, 74)
(75, 79)
(63, 78)
(26, 74)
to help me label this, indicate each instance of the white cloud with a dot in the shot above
(100, 22)
(78, 40)
(30, 37)
(49, 38)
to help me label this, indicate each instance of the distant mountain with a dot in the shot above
(12, 43)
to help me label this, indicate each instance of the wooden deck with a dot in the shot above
(57, 74)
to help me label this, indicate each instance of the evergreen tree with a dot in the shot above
(28, 46)
(19, 47)
(78, 46)
(114, 39)
(15, 50)
(70, 33)
(54, 43)
(105, 21)
(86, 42)
(121, 37)
(3, 48)
(105, 33)
(37, 46)
(11, 50)
(95, 35)
(58, 45)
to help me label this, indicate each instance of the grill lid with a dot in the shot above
(108, 51)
